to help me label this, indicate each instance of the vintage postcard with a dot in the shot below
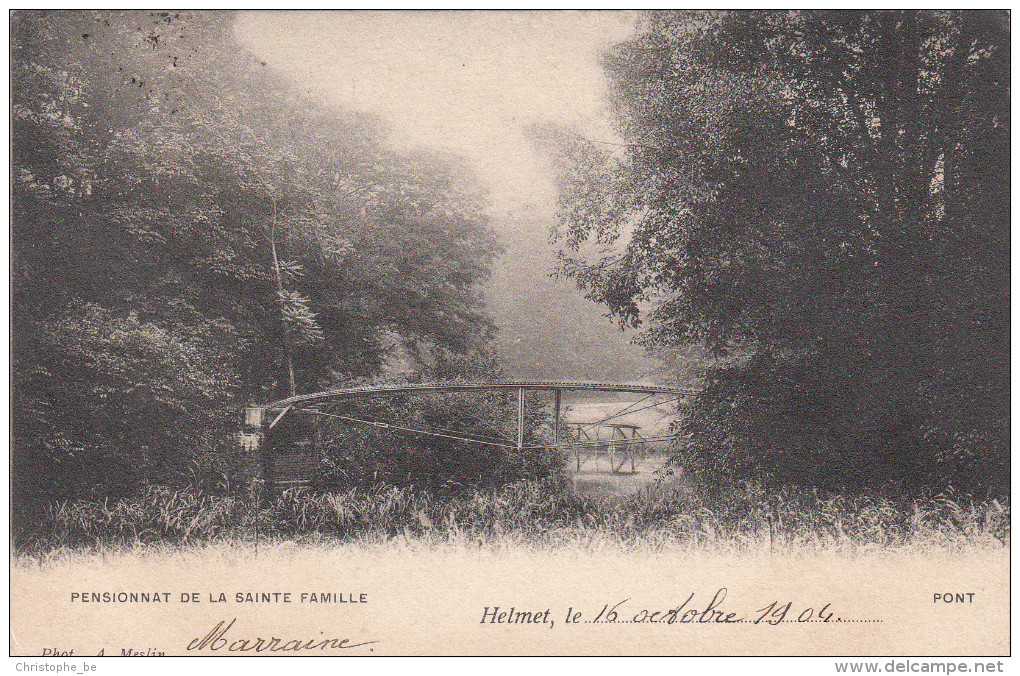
(511, 333)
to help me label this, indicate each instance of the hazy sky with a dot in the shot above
(469, 83)
(466, 82)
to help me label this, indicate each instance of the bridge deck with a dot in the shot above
(372, 390)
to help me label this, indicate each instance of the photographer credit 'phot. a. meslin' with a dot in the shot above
(510, 333)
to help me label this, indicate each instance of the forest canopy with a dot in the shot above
(821, 201)
(190, 234)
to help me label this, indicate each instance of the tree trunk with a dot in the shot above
(288, 356)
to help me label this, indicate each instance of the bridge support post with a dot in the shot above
(556, 419)
(520, 418)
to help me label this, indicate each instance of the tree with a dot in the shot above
(189, 235)
(819, 199)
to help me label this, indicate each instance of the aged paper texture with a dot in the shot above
(416, 600)
(510, 333)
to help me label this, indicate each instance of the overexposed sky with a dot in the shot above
(463, 82)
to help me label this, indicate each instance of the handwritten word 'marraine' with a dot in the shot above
(217, 640)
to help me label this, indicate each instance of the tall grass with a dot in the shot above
(539, 513)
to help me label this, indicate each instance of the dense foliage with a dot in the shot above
(190, 234)
(821, 200)
(451, 441)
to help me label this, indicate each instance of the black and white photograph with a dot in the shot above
(511, 333)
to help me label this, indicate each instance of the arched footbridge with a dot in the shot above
(582, 442)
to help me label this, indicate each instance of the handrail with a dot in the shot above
(370, 390)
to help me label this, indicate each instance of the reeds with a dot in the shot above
(745, 517)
